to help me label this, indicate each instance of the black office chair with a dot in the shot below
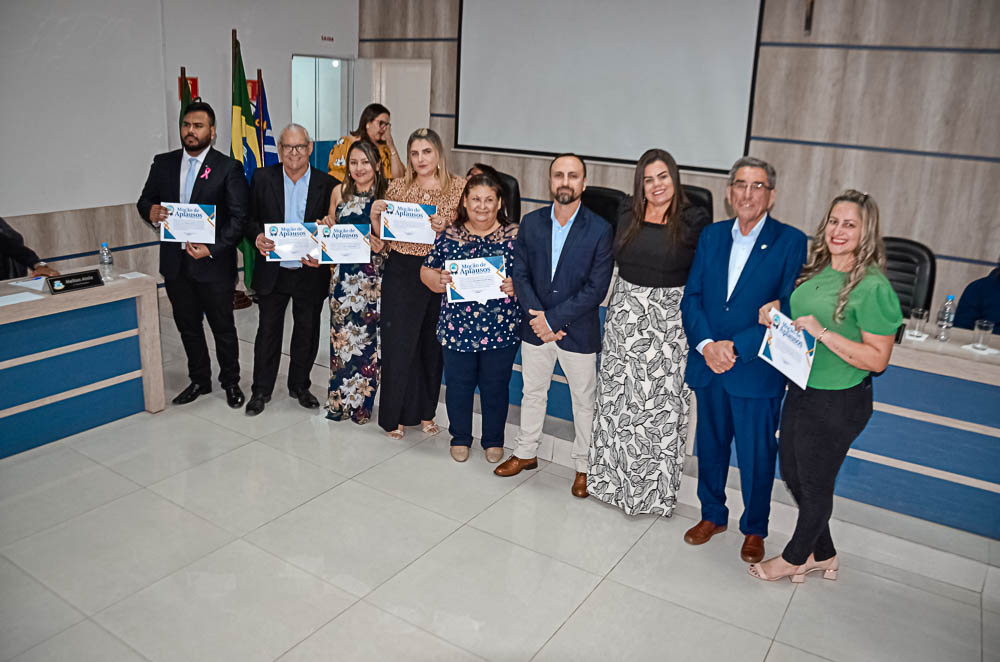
(614, 202)
(512, 196)
(700, 196)
(911, 267)
(605, 202)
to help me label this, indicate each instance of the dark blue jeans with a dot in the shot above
(817, 429)
(489, 370)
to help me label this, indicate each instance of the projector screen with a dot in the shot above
(608, 80)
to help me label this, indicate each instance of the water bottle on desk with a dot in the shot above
(105, 262)
(946, 318)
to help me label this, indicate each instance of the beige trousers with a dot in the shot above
(537, 364)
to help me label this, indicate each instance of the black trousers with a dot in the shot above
(191, 301)
(817, 429)
(411, 355)
(307, 309)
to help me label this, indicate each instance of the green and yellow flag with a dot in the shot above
(245, 147)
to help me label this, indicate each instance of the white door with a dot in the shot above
(402, 86)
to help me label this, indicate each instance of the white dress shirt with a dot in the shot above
(738, 256)
(186, 163)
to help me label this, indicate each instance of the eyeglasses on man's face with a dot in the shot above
(752, 187)
(295, 149)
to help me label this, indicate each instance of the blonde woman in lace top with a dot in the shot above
(411, 355)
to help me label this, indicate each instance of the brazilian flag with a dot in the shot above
(245, 147)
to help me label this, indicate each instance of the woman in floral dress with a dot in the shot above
(355, 292)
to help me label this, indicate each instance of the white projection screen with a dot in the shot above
(608, 80)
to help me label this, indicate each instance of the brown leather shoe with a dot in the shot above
(515, 465)
(580, 485)
(753, 549)
(702, 532)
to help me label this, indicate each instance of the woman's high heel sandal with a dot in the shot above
(829, 568)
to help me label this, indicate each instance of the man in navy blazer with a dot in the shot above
(199, 278)
(740, 265)
(289, 192)
(562, 269)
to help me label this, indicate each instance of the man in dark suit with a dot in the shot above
(199, 277)
(740, 265)
(291, 192)
(16, 259)
(562, 269)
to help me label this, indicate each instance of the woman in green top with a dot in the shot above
(843, 300)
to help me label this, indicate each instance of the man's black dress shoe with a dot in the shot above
(234, 396)
(256, 404)
(305, 398)
(191, 393)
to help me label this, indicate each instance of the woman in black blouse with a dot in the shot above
(641, 416)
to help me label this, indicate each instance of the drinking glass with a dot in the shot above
(983, 331)
(918, 316)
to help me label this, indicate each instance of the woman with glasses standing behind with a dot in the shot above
(411, 355)
(355, 292)
(844, 301)
(376, 127)
(641, 414)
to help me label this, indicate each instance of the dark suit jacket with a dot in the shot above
(571, 298)
(220, 182)
(15, 257)
(267, 205)
(770, 272)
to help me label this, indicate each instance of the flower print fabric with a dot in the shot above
(355, 291)
(473, 326)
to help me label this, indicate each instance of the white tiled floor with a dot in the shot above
(200, 534)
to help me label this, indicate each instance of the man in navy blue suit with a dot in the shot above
(561, 273)
(740, 265)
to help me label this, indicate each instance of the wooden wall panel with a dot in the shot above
(404, 18)
(893, 99)
(940, 23)
(936, 102)
(950, 205)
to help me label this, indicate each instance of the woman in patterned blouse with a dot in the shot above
(411, 356)
(480, 340)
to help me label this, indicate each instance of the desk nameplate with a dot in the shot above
(81, 280)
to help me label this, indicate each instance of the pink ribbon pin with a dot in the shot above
(204, 175)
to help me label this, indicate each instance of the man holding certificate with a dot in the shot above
(283, 197)
(197, 198)
(738, 266)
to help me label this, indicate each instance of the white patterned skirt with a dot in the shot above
(641, 414)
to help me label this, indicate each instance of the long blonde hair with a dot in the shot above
(869, 251)
(431, 136)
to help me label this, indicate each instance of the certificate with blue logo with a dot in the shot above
(194, 223)
(478, 279)
(787, 349)
(345, 243)
(408, 221)
(292, 241)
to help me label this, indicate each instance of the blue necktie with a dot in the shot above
(189, 182)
